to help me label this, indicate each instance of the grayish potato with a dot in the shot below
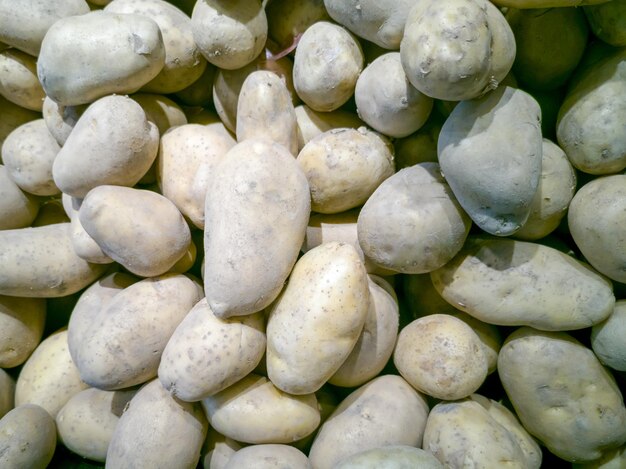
(206, 354)
(269, 457)
(7, 392)
(59, 119)
(18, 80)
(515, 283)
(28, 437)
(386, 411)
(253, 410)
(607, 338)
(312, 123)
(21, 328)
(391, 457)
(17, 208)
(562, 394)
(256, 176)
(490, 154)
(86, 57)
(608, 21)
(41, 263)
(176, 432)
(327, 64)
(12, 116)
(413, 223)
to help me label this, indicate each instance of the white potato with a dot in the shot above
(18, 80)
(17, 208)
(59, 119)
(268, 457)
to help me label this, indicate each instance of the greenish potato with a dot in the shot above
(17, 208)
(12, 116)
(608, 21)
(607, 338)
(288, 19)
(200, 92)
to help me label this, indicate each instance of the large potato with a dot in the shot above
(269, 457)
(312, 123)
(18, 80)
(85, 57)
(390, 457)
(17, 208)
(608, 21)
(562, 394)
(315, 323)
(515, 283)
(607, 338)
(256, 176)
(21, 327)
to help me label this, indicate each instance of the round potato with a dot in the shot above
(7, 393)
(18, 80)
(313, 123)
(17, 208)
(21, 327)
(607, 338)
(268, 457)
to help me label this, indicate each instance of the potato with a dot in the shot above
(49, 378)
(21, 328)
(316, 322)
(287, 19)
(176, 432)
(313, 123)
(384, 412)
(217, 450)
(590, 121)
(28, 437)
(490, 154)
(607, 338)
(611, 459)
(122, 221)
(253, 410)
(160, 110)
(555, 191)
(60, 120)
(344, 167)
(86, 57)
(206, 354)
(86, 422)
(50, 213)
(458, 50)
(41, 263)
(545, 3)
(18, 80)
(17, 208)
(327, 64)
(607, 21)
(12, 116)
(515, 283)
(390, 457)
(85, 162)
(268, 457)
(230, 35)
(413, 223)
(265, 110)
(23, 25)
(200, 92)
(377, 340)
(123, 342)
(84, 245)
(255, 176)
(480, 432)
(7, 393)
(562, 394)
(187, 157)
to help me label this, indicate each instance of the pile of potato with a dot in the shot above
(313, 234)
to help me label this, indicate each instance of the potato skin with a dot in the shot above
(7, 393)
(606, 338)
(269, 457)
(312, 123)
(21, 328)
(18, 80)
(545, 3)
(17, 208)
(390, 457)
(607, 21)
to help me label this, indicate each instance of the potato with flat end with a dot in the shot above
(269, 457)
(7, 392)
(607, 338)
(18, 80)
(21, 328)
(608, 21)
(17, 208)
(391, 457)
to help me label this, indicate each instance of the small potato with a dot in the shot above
(217, 450)
(515, 283)
(41, 263)
(384, 412)
(160, 110)
(28, 153)
(60, 120)
(608, 21)
(112, 143)
(7, 393)
(441, 356)
(413, 223)
(230, 34)
(344, 167)
(12, 116)
(88, 56)
(206, 354)
(21, 327)
(86, 422)
(27, 437)
(49, 377)
(316, 322)
(123, 222)
(390, 457)
(176, 432)
(607, 338)
(327, 64)
(17, 208)
(18, 80)
(253, 410)
(313, 123)
(269, 457)
(288, 19)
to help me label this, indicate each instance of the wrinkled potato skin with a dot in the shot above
(607, 338)
(18, 80)
(269, 457)
(17, 208)
(21, 328)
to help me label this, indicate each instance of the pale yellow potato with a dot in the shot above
(287, 19)
(253, 410)
(24, 24)
(186, 262)
(555, 191)
(375, 345)
(344, 167)
(85, 57)
(316, 322)
(545, 3)
(84, 245)
(12, 116)
(516, 283)
(488, 334)
(265, 110)
(17, 208)
(60, 120)
(140, 229)
(187, 158)
(41, 263)
(200, 92)
(49, 378)
(269, 456)
(248, 257)
(479, 432)
(28, 437)
(595, 217)
(611, 459)
(312, 123)
(123, 342)
(157, 431)
(86, 422)
(206, 354)
(441, 356)
(50, 212)
(386, 411)
(230, 34)
(391, 457)
(608, 21)
(413, 223)
(326, 66)
(21, 328)
(7, 392)
(112, 143)
(18, 80)
(160, 110)
(607, 338)
(562, 394)
(217, 450)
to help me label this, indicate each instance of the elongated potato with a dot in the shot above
(17, 208)
(18, 80)
(21, 327)
(269, 457)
